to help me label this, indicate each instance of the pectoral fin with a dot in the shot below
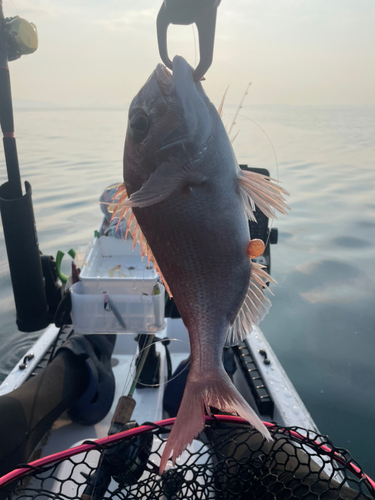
(122, 211)
(167, 178)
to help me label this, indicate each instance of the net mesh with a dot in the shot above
(228, 461)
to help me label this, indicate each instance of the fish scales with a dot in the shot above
(192, 204)
(199, 249)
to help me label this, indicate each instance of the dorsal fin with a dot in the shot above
(255, 306)
(120, 209)
(157, 269)
(262, 191)
(220, 108)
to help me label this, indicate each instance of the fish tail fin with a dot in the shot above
(205, 390)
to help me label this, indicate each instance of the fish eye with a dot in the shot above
(139, 125)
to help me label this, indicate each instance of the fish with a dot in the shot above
(187, 203)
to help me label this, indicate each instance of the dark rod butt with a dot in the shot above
(24, 258)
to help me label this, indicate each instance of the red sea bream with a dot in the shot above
(188, 203)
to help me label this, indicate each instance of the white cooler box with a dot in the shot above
(115, 294)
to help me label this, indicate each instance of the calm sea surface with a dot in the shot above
(322, 323)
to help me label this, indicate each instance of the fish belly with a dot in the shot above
(203, 258)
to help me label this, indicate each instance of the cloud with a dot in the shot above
(130, 18)
(39, 9)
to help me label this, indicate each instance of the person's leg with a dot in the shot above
(79, 379)
(27, 413)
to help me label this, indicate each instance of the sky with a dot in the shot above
(296, 52)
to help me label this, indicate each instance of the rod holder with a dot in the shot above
(24, 258)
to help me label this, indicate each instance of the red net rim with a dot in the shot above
(71, 452)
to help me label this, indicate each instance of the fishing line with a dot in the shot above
(15, 6)
(236, 115)
(141, 364)
(132, 373)
(195, 46)
(276, 161)
(271, 143)
(135, 357)
(134, 380)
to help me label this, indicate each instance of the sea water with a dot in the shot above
(322, 322)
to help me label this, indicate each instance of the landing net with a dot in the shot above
(228, 461)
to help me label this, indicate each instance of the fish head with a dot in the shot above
(170, 116)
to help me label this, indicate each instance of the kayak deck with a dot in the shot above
(288, 408)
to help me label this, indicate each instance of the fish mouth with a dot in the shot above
(163, 78)
(187, 100)
(181, 78)
(182, 73)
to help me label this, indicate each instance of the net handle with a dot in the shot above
(97, 445)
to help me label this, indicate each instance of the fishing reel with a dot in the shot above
(21, 37)
(125, 462)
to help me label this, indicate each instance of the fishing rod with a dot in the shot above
(118, 463)
(19, 37)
